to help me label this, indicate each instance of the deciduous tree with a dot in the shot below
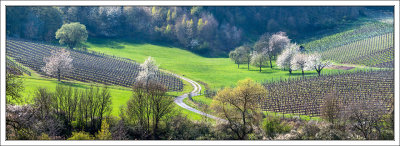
(104, 133)
(60, 62)
(299, 61)
(72, 34)
(284, 59)
(258, 59)
(14, 85)
(271, 45)
(244, 54)
(240, 106)
(315, 62)
(148, 71)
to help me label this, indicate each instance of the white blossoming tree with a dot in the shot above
(284, 59)
(60, 62)
(278, 42)
(148, 71)
(299, 62)
(271, 45)
(315, 62)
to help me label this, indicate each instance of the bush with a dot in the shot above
(181, 128)
(273, 126)
(331, 133)
(81, 136)
(310, 130)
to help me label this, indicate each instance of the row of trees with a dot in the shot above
(59, 113)
(292, 59)
(265, 49)
(277, 47)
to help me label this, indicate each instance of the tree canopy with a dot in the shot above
(72, 34)
(240, 106)
(60, 62)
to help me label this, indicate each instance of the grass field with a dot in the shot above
(120, 95)
(216, 72)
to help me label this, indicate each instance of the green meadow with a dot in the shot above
(216, 72)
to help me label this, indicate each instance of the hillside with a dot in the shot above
(87, 67)
(216, 72)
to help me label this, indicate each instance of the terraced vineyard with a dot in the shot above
(87, 67)
(306, 96)
(376, 51)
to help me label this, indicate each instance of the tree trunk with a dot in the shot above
(319, 72)
(155, 136)
(260, 68)
(238, 65)
(244, 126)
(248, 64)
(270, 62)
(290, 71)
(302, 72)
(59, 74)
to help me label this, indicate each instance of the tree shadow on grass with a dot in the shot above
(107, 43)
(300, 74)
(71, 84)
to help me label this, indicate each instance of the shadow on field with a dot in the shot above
(299, 74)
(71, 84)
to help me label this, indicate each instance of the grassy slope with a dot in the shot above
(216, 72)
(120, 95)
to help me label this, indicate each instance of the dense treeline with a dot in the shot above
(205, 30)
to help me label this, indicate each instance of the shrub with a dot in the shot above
(310, 130)
(81, 136)
(273, 126)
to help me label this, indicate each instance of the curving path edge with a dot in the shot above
(196, 89)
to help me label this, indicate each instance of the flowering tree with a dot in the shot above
(283, 60)
(315, 62)
(58, 63)
(271, 45)
(277, 43)
(299, 61)
(148, 71)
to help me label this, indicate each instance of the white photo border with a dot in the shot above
(394, 3)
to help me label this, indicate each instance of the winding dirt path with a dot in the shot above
(196, 89)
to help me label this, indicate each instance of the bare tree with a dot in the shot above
(58, 63)
(299, 61)
(283, 60)
(147, 107)
(366, 117)
(161, 105)
(331, 107)
(315, 62)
